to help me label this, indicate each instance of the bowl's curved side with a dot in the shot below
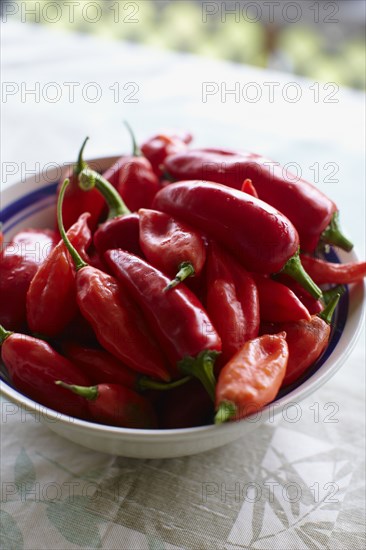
(37, 208)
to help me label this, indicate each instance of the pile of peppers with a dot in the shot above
(177, 289)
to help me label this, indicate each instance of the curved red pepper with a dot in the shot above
(51, 297)
(232, 301)
(327, 272)
(115, 405)
(177, 318)
(19, 262)
(171, 246)
(160, 146)
(33, 367)
(260, 236)
(307, 207)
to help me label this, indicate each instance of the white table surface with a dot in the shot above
(161, 504)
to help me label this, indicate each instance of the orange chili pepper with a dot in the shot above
(252, 378)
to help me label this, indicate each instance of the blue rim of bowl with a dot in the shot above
(40, 199)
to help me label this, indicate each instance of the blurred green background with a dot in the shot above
(326, 43)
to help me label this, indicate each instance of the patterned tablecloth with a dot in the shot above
(296, 483)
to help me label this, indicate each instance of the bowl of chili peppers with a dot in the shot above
(167, 302)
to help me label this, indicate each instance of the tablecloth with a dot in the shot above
(295, 483)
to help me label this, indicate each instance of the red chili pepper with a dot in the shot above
(33, 367)
(326, 272)
(185, 407)
(306, 340)
(262, 238)
(177, 318)
(137, 183)
(277, 302)
(76, 202)
(51, 298)
(19, 262)
(313, 214)
(160, 146)
(252, 378)
(117, 322)
(232, 301)
(121, 230)
(313, 306)
(100, 367)
(115, 405)
(171, 246)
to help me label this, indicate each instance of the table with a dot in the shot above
(295, 483)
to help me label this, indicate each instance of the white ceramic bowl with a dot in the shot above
(31, 204)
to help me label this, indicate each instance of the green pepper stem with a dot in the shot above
(76, 258)
(328, 311)
(136, 151)
(201, 367)
(88, 179)
(145, 383)
(333, 234)
(293, 268)
(89, 393)
(4, 334)
(328, 294)
(226, 411)
(186, 270)
(80, 164)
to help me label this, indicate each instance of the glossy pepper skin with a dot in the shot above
(34, 366)
(277, 302)
(260, 236)
(180, 323)
(252, 378)
(171, 245)
(121, 232)
(116, 320)
(76, 202)
(177, 318)
(19, 262)
(232, 301)
(115, 405)
(312, 305)
(51, 297)
(157, 148)
(137, 183)
(327, 272)
(304, 205)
